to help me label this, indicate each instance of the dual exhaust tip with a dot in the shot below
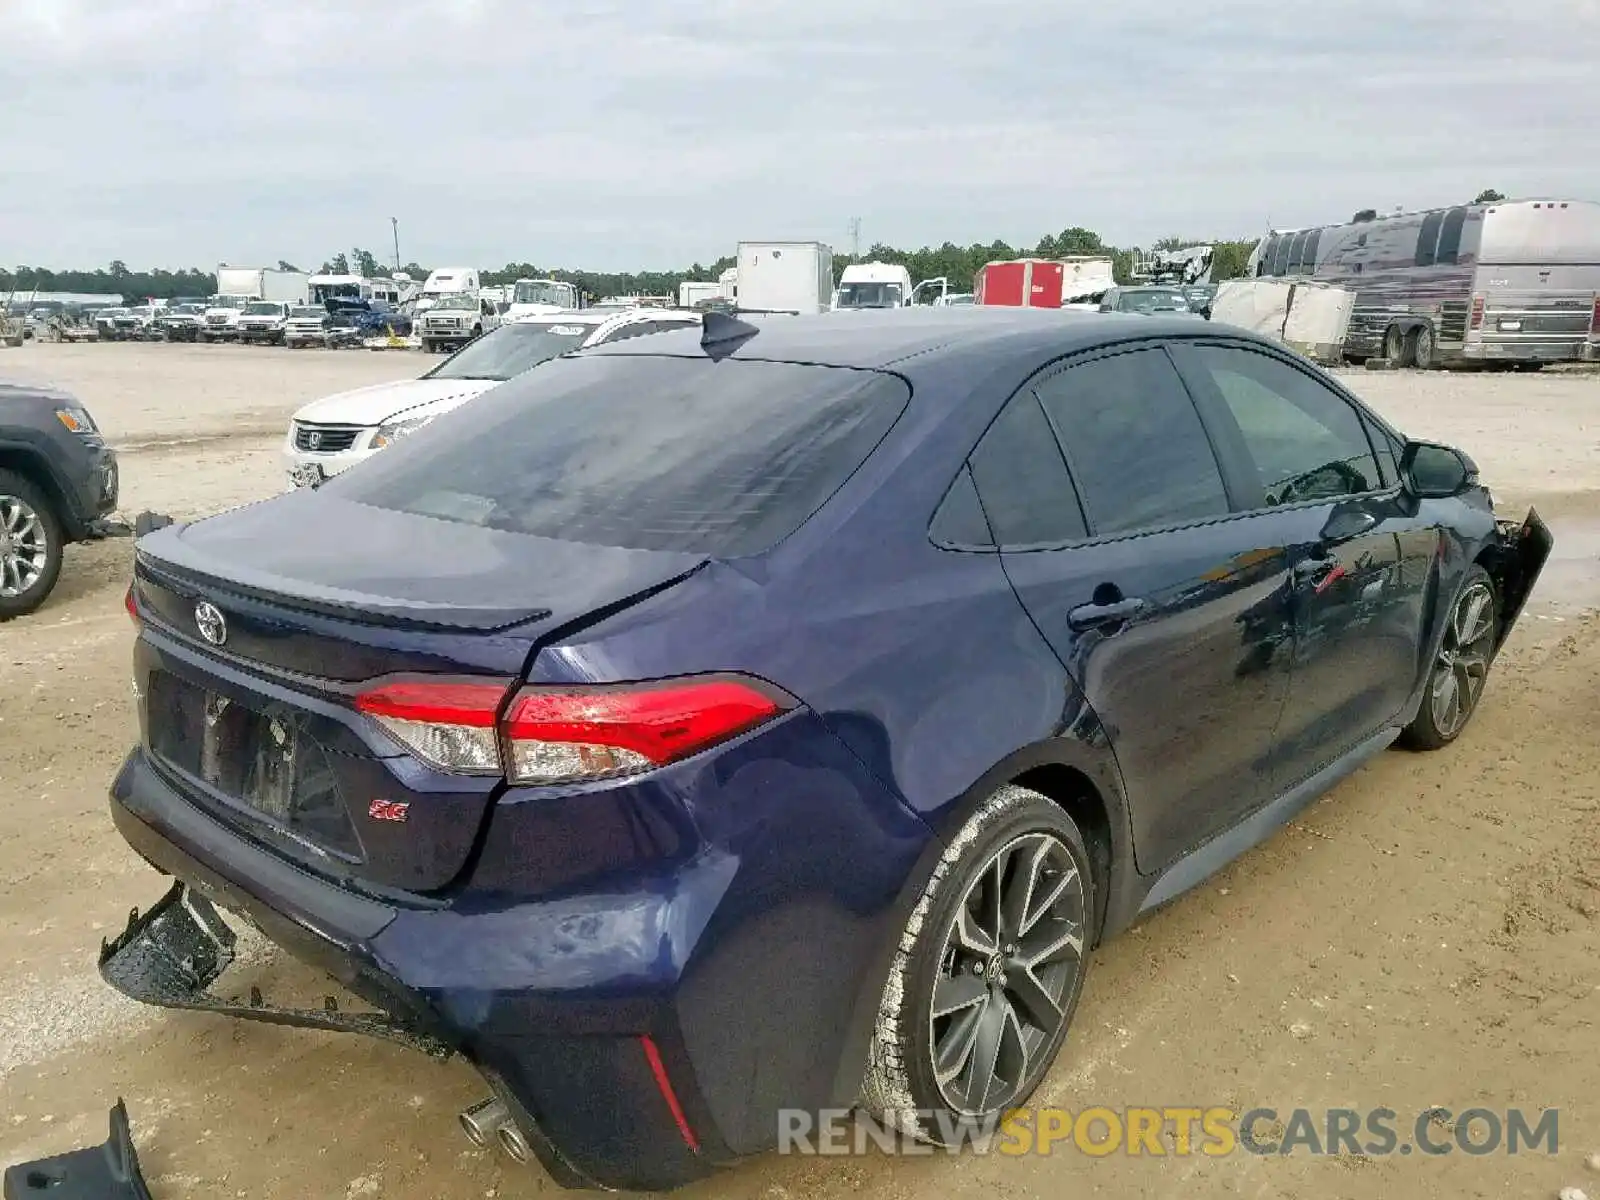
(488, 1123)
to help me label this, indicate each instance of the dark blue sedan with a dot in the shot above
(775, 716)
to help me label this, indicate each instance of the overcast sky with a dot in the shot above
(618, 134)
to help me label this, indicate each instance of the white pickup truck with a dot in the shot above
(456, 319)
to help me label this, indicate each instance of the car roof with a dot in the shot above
(878, 339)
(589, 316)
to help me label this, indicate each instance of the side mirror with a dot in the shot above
(1432, 471)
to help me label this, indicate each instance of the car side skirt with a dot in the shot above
(1206, 860)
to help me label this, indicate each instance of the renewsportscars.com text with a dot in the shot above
(1182, 1131)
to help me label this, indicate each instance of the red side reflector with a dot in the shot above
(452, 703)
(659, 1069)
(1477, 312)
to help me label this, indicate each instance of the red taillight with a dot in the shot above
(555, 735)
(1477, 313)
(131, 603)
(560, 735)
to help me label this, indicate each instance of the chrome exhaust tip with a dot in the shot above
(481, 1121)
(513, 1143)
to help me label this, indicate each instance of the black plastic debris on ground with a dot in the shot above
(109, 1171)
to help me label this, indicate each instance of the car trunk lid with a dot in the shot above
(257, 645)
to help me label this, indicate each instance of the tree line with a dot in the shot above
(958, 264)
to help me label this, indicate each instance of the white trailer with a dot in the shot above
(263, 283)
(792, 277)
(692, 291)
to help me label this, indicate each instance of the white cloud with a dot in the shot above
(653, 133)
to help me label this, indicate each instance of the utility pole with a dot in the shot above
(394, 226)
(855, 237)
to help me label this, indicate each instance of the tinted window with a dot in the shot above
(1138, 451)
(1297, 253)
(636, 329)
(1450, 235)
(960, 520)
(1388, 454)
(1428, 240)
(1022, 479)
(1280, 254)
(512, 349)
(644, 452)
(1313, 244)
(1307, 443)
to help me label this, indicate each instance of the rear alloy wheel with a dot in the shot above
(988, 973)
(30, 546)
(1461, 668)
(1422, 356)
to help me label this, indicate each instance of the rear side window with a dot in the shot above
(1450, 236)
(1428, 240)
(1137, 448)
(1022, 479)
(959, 522)
(644, 452)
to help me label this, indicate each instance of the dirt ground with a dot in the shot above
(1427, 934)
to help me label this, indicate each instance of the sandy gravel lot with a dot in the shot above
(1428, 934)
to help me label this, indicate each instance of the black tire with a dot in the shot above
(1424, 353)
(1016, 838)
(1460, 670)
(1397, 346)
(29, 524)
(477, 332)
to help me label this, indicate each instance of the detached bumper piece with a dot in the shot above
(170, 956)
(1516, 563)
(109, 1171)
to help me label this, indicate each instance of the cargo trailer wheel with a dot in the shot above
(1396, 346)
(988, 971)
(1422, 353)
(30, 546)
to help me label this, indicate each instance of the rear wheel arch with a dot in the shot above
(1084, 782)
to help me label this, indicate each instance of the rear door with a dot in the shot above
(1359, 554)
(1170, 613)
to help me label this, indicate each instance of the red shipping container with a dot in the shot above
(1020, 283)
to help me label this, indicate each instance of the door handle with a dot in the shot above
(1097, 616)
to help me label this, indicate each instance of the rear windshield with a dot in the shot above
(645, 452)
(513, 349)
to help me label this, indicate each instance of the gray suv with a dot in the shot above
(58, 482)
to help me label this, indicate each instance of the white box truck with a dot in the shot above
(238, 286)
(792, 277)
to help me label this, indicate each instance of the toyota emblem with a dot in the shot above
(208, 619)
(315, 440)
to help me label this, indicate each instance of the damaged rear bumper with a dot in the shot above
(171, 955)
(550, 1060)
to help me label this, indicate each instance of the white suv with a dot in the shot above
(331, 435)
